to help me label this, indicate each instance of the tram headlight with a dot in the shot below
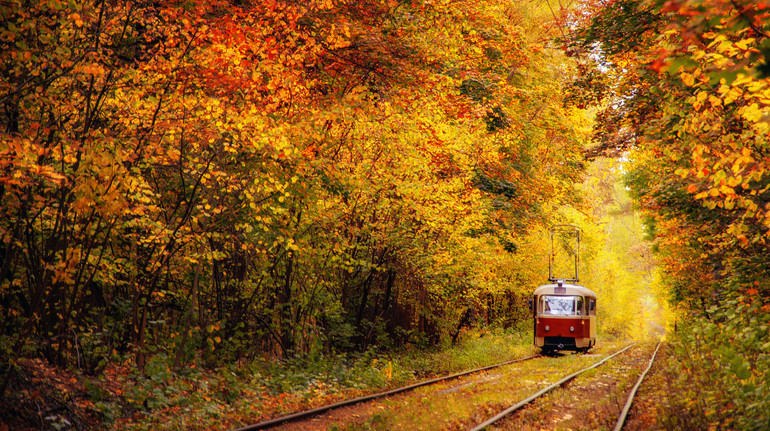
(571, 329)
(547, 328)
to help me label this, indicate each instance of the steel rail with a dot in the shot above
(622, 418)
(300, 415)
(543, 391)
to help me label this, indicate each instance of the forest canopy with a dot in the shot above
(235, 179)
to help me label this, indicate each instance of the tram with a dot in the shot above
(563, 311)
(565, 317)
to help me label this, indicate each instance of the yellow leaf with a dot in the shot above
(687, 78)
(744, 44)
(742, 79)
(752, 113)
(732, 95)
(727, 190)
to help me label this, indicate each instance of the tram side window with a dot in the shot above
(592, 306)
(561, 305)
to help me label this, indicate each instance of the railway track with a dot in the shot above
(313, 412)
(623, 415)
(514, 383)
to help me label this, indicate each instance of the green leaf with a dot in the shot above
(728, 75)
(739, 367)
(686, 63)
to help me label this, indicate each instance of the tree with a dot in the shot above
(248, 178)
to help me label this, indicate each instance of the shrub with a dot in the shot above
(720, 370)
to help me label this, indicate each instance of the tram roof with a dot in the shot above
(566, 289)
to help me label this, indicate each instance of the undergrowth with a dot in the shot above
(719, 372)
(195, 397)
(240, 395)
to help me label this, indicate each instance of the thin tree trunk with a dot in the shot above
(188, 318)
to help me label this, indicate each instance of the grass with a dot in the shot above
(461, 403)
(198, 398)
(239, 395)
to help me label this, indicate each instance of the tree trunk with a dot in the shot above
(188, 318)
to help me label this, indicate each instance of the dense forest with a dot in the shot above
(211, 182)
(284, 177)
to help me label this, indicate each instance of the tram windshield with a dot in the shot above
(561, 305)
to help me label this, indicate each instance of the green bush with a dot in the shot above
(720, 369)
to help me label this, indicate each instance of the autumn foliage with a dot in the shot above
(698, 118)
(685, 90)
(235, 179)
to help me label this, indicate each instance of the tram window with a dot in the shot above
(561, 305)
(592, 306)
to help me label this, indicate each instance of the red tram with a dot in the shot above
(564, 312)
(564, 317)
